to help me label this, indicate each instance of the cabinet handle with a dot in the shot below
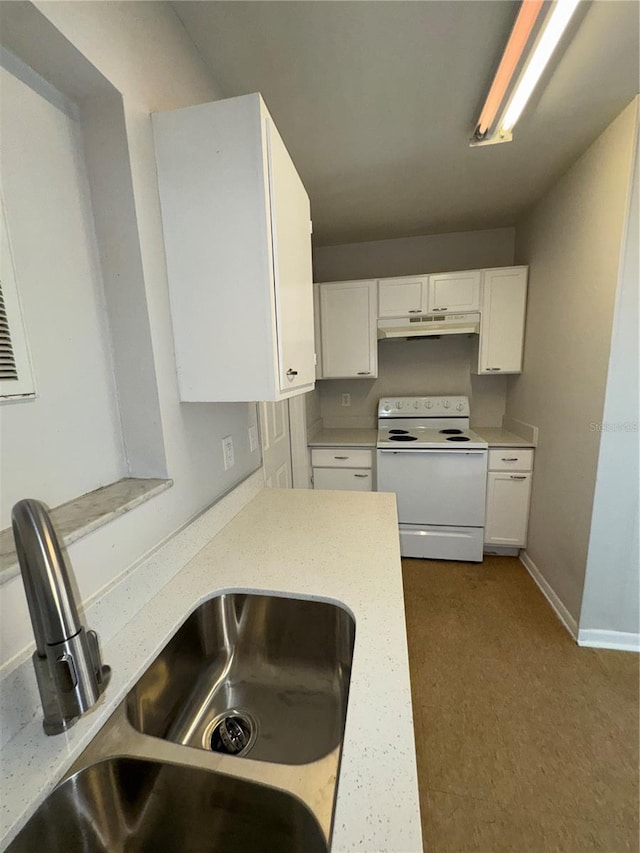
(415, 311)
(509, 459)
(494, 368)
(518, 477)
(360, 475)
(292, 372)
(340, 457)
(438, 309)
(364, 373)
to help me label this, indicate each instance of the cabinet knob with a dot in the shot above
(292, 372)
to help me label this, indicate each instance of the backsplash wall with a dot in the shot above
(417, 367)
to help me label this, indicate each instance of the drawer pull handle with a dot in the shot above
(518, 477)
(360, 475)
(364, 373)
(415, 311)
(439, 309)
(494, 368)
(340, 457)
(292, 372)
(509, 459)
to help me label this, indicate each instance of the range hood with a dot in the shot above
(429, 326)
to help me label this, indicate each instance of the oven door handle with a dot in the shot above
(433, 450)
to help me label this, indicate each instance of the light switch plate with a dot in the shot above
(227, 452)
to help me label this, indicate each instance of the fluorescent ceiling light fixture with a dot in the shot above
(516, 95)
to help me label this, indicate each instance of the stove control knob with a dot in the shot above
(459, 407)
(416, 405)
(446, 404)
(428, 404)
(386, 407)
(399, 405)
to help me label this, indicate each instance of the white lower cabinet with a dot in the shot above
(343, 479)
(342, 468)
(508, 497)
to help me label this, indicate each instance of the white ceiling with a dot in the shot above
(376, 102)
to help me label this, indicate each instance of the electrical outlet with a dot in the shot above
(227, 452)
(345, 400)
(253, 438)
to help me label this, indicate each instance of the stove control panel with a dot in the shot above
(423, 406)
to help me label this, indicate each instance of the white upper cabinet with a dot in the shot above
(237, 230)
(504, 299)
(399, 297)
(454, 291)
(348, 329)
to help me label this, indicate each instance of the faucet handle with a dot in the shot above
(102, 671)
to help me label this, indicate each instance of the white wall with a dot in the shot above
(611, 599)
(414, 368)
(572, 241)
(418, 367)
(68, 440)
(464, 250)
(143, 51)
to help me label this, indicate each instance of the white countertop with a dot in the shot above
(494, 436)
(497, 437)
(344, 438)
(337, 546)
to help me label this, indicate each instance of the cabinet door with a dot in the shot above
(343, 479)
(399, 297)
(348, 329)
(454, 291)
(507, 513)
(504, 298)
(293, 281)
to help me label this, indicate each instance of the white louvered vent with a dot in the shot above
(16, 378)
(8, 369)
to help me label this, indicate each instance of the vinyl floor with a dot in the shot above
(525, 742)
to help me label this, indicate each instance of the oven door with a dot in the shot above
(440, 487)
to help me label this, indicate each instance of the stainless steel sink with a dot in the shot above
(278, 668)
(259, 685)
(132, 805)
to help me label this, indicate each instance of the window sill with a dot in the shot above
(80, 516)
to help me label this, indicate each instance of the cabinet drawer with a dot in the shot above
(343, 479)
(511, 459)
(340, 457)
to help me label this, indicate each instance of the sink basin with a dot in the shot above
(273, 671)
(128, 805)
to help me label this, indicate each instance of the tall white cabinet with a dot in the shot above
(237, 230)
(348, 329)
(502, 316)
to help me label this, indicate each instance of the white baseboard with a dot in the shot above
(560, 610)
(620, 640)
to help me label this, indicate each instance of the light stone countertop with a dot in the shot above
(497, 437)
(344, 438)
(337, 546)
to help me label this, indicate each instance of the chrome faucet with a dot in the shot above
(67, 661)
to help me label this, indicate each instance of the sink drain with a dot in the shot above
(232, 733)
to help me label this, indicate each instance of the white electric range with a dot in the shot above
(437, 468)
